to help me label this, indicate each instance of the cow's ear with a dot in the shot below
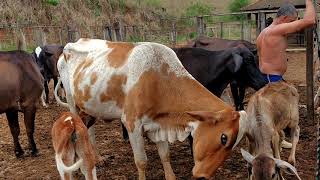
(203, 43)
(47, 53)
(207, 115)
(236, 63)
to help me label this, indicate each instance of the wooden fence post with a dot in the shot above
(200, 26)
(40, 37)
(124, 33)
(118, 31)
(309, 75)
(69, 34)
(242, 30)
(60, 36)
(107, 33)
(173, 33)
(21, 39)
(221, 30)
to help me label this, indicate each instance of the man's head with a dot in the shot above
(287, 13)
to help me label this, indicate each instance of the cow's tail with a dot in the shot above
(65, 168)
(56, 95)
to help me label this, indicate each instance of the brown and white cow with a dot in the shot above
(21, 85)
(70, 139)
(270, 110)
(146, 86)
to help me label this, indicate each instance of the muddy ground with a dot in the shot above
(116, 155)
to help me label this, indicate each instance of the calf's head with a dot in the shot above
(249, 74)
(47, 59)
(265, 167)
(214, 135)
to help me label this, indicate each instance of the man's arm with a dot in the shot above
(308, 20)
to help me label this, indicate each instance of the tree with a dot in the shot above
(236, 5)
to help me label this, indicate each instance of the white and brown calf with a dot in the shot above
(146, 86)
(71, 141)
(270, 110)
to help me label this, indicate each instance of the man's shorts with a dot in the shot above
(272, 78)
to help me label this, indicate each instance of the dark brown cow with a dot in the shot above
(21, 85)
(216, 44)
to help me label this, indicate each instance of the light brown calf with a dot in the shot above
(270, 110)
(70, 141)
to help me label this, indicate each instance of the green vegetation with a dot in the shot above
(52, 2)
(235, 6)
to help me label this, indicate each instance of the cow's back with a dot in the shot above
(20, 80)
(278, 100)
(98, 78)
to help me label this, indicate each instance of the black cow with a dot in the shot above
(21, 85)
(216, 69)
(216, 44)
(47, 58)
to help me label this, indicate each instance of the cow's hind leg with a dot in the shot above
(163, 150)
(295, 132)
(46, 90)
(235, 94)
(29, 117)
(12, 117)
(242, 93)
(124, 132)
(140, 156)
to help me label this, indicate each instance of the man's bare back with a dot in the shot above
(272, 48)
(272, 41)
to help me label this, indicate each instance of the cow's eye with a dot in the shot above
(224, 139)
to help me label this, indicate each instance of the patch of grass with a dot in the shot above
(12, 47)
(133, 38)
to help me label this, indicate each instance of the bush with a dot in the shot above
(198, 9)
(236, 5)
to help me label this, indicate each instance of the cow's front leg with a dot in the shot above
(140, 157)
(43, 97)
(163, 150)
(276, 144)
(295, 132)
(46, 90)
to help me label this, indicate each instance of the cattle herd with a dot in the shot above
(166, 94)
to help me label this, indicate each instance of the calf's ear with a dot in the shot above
(48, 53)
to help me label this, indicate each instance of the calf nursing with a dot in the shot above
(270, 110)
(70, 141)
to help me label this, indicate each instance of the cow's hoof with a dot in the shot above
(292, 161)
(19, 153)
(34, 153)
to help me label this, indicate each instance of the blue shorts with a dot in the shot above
(272, 78)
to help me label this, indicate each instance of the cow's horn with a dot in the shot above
(243, 123)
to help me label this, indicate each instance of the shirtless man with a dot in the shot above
(272, 41)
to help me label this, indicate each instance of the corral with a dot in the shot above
(116, 155)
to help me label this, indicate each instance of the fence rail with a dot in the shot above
(170, 32)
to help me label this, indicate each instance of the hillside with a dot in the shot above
(95, 12)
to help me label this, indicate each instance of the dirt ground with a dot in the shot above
(117, 157)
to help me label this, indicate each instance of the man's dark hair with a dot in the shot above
(287, 9)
